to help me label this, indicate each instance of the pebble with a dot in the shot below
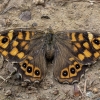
(34, 24)
(38, 2)
(24, 84)
(89, 94)
(8, 22)
(25, 15)
(95, 90)
(18, 76)
(45, 87)
(8, 93)
(97, 99)
(55, 92)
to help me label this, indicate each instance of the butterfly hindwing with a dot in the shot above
(25, 49)
(33, 68)
(68, 65)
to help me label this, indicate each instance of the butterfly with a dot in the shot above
(69, 51)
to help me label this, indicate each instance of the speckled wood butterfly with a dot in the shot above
(70, 52)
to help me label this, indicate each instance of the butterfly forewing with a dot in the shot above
(86, 46)
(15, 44)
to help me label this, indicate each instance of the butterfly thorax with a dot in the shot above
(49, 46)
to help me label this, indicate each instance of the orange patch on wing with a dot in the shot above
(30, 57)
(86, 45)
(4, 53)
(71, 59)
(78, 45)
(73, 37)
(14, 51)
(20, 55)
(27, 37)
(80, 37)
(75, 49)
(90, 36)
(10, 34)
(23, 43)
(26, 47)
(87, 53)
(81, 57)
(20, 35)
(15, 43)
(96, 54)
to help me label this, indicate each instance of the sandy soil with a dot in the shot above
(60, 15)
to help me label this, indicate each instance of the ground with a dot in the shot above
(59, 15)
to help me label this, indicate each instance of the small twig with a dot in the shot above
(4, 80)
(57, 97)
(97, 95)
(85, 86)
(80, 89)
(92, 84)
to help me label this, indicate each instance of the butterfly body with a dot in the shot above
(70, 53)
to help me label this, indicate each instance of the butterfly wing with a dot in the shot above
(70, 49)
(26, 50)
(14, 44)
(33, 68)
(86, 46)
